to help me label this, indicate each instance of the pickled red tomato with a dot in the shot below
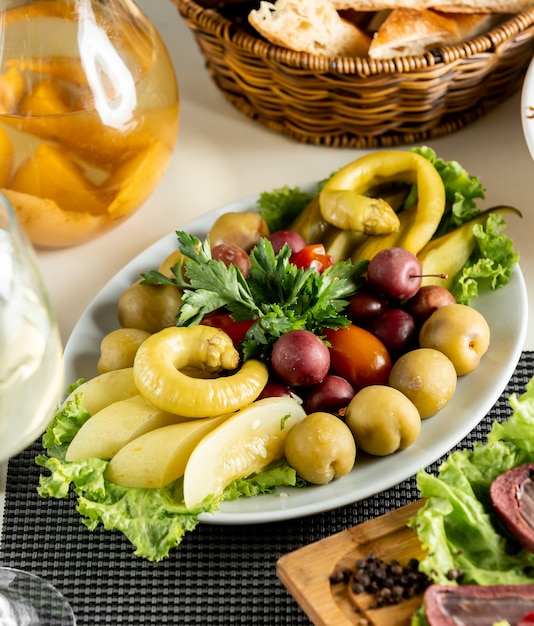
(293, 239)
(359, 356)
(331, 395)
(300, 358)
(231, 254)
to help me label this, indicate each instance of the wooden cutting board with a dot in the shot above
(306, 572)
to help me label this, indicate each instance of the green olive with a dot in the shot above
(149, 307)
(321, 448)
(382, 420)
(427, 377)
(118, 348)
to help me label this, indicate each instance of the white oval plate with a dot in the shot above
(505, 311)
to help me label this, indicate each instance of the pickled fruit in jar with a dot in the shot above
(88, 115)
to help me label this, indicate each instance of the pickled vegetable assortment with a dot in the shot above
(284, 344)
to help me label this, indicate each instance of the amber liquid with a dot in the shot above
(84, 136)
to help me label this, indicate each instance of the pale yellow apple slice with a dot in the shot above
(159, 457)
(109, 430)
(245, 444)
(101, 391)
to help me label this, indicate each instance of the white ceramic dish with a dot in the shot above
(505, 310)
(527, 108)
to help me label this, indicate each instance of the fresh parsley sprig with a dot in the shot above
(277, 294)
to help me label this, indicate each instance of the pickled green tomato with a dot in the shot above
(460, 332)
(321, 448)
(239, 229)
(382, 420)
(427, 377)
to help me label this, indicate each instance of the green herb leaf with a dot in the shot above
(278, 294)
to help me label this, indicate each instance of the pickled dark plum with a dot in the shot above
(428, 299)
(300, 358)
(331, 395)
(365, 305)
(275, 389)
(396, 329)
(395, 273)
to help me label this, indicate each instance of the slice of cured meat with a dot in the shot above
(512, 497)
(474, 605)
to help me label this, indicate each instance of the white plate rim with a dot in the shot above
(438, 435)
(527, 108)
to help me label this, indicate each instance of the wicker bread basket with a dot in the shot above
(358, 102)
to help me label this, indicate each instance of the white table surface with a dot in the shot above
(222, 156)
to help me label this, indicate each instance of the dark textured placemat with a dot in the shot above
(218, 575)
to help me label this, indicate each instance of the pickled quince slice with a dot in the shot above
(12, 87)
(47, 225)
(50, 173)
(6, 157)
(244, 444)
(136, 179)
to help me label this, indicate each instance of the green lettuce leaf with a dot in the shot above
(153, 520)
(457, 525)
(490, 264)
(280, 207)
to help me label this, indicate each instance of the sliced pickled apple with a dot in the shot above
(245, 444)
(60, 67)
(51, 173)
(12, 88)
(46, 97)
(105, 147)
(42, 8)
(111, 428)
(101, 391)
(136, 179)
(49, 226)
(160, 456)
(6, 157)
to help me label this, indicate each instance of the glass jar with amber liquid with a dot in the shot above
(88, 115)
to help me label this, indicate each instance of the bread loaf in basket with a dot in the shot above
(347, 100)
